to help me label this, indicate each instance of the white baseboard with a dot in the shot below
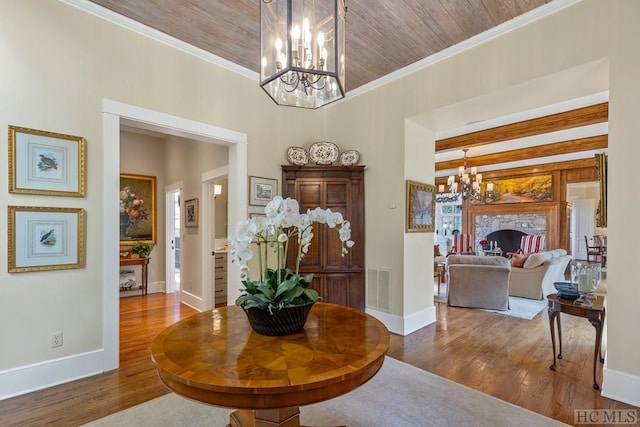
(405, 325)
(192, 300)
(156, 287)
(25, 379)
(621, 386)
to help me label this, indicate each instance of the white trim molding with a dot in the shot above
(25, 379)
(407, 324)
(621, 386)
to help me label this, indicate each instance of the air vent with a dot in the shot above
(379, 289)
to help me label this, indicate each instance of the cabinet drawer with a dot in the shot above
(220, 262)
(220, 277)
(221, 292)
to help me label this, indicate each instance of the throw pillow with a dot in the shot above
(436, 250)
(537, 259)
(518, 260)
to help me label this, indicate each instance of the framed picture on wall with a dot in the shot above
(421, 207)
(45, 163)
(137, 209)
(262, 190)
(191, 213)
(45, 238)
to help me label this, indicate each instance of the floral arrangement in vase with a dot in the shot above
(282, 286)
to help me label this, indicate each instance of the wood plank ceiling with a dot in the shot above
(382, 35)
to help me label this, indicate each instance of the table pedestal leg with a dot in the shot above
(287, 417)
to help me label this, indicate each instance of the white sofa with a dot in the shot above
(535, 278)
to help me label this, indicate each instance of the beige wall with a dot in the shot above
(96, 60)
(144, 155)
(186, 161)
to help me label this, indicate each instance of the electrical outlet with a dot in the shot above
(56, 339)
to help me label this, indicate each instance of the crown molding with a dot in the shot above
(130, 24)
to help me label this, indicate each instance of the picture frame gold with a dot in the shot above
(46, 163)
(137, 209)
(191, 213)
(42, 238)
(421, 207)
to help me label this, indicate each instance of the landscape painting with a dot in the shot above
(538, 188)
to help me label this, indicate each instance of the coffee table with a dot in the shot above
(215, 357)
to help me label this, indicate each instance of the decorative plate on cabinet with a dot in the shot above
(349, 158)
(297, 156)
(323, 152)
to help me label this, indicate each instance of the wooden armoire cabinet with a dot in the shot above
(338, 279)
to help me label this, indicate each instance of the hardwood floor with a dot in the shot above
(503, 356)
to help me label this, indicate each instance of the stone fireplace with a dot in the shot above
(528, 223)
(529, 218)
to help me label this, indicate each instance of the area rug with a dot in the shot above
(400, 395)
(524, 308)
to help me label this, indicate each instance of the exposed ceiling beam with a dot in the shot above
(598, 113)
(546, 150)
(531, 170)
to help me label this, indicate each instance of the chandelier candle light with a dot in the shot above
(468, 182)
(302, 51)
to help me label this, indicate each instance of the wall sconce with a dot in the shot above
(217, 190)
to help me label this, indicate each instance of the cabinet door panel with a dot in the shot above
(309, 193)
(337, 279)
(337, 193)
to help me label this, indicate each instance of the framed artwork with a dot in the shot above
(45, 163)
(421, 207)
(137, 209)
(45, 238)
(262, 190)
(529, 189)
(191, 213)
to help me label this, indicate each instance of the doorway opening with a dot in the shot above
(116, 114)
(173, 255)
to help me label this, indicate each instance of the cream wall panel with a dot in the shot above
(623, 317)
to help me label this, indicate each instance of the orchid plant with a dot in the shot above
(281, 286)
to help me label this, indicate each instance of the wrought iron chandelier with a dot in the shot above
(468, 183)
(302, 51)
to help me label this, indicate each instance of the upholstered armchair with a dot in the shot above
(529, 244)
(478, 281)
(461, 244)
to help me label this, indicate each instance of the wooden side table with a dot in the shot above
(216, 358)
(595, 314)
(143, 263)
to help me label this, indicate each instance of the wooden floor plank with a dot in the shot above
(503, 356)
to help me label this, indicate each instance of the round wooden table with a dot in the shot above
(216, 358)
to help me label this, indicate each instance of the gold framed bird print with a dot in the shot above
(46, 163)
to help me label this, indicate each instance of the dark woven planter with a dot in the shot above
(284, 321)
